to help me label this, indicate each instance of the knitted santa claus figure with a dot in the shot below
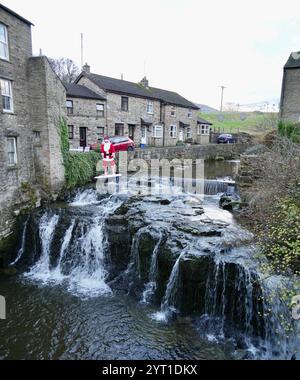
(108, 156)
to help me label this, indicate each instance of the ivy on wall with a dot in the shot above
(80, 168)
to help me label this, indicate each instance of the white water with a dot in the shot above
(167, 306)
(85, 198)
(22, 248)
(151, 286)
(80, 264)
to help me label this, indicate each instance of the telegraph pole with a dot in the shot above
(222, 97)
(81, 51)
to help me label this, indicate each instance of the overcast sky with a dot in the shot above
(189, 46)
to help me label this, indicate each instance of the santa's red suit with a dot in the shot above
(108, 154)
(108, 151)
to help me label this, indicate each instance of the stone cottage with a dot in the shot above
(86, 115)
(32, 101)
(148, 115)
(290, 93)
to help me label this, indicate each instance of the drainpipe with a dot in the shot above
(162, 121)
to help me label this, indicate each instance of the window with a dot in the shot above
(71, 132)
(173, 111)
(6, 92)
(124, 103)
(100, 133)
(173, 131)
(12, 151)
(69, 105)
(36, 137)
(190, 113)
(119, 129)
(158, 131)
(149, 106)
(3, 42)
(188, 132)
(100, 110)
(203, 129)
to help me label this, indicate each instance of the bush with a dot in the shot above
(282, 242)
(289, 130)
(80, 168)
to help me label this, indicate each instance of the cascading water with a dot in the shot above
(150, 287)
(80, 262)
(22, 247)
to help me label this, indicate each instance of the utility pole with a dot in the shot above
(81, 51)
(222, 97)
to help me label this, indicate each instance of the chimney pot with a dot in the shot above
(86, 68)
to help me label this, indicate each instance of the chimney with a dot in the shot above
(144, 82)
(86, 68)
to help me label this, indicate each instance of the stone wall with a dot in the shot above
(210, 151)
(290, 106)
(16, 124)
(85, 115)
(47, 106)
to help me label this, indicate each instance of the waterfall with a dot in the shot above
(85, 198)
(168, 303)
(23, 241)
(215, 186)
(80, 261)
(151, 286)
(40, 271)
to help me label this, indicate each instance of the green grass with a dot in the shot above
(250, 122)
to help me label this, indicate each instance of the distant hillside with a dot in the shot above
(206, 109)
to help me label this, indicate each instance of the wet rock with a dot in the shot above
(8, 271)
(198, 229)
(230, 202)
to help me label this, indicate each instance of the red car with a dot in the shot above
(121, 143)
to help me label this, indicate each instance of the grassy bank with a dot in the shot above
(255, 123)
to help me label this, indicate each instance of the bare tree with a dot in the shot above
(65, 69)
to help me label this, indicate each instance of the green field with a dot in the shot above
(256, 123)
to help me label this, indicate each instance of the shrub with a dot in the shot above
(80, 168)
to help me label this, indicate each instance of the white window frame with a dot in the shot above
(8, 94)
(173, 109)
(189, 133)
(5, 43)
(150, 107)
(190, 113)
(173, 131)
(70, 108)
(203, 130)
(156, 135)
(13, 152)
(100, 109)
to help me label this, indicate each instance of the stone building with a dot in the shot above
(32, 101)
(290, 93)
(86, 115)
(203, 131)
(148, 115)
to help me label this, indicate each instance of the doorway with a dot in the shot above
(82, 137)
(131, 128)
(144, 135)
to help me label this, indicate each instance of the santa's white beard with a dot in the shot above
(106, 147)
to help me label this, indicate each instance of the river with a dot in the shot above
(64, 302)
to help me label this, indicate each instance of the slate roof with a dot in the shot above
(135, 89)
(293, 61)
(15, 15)
(78, 91)
(203, 121)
